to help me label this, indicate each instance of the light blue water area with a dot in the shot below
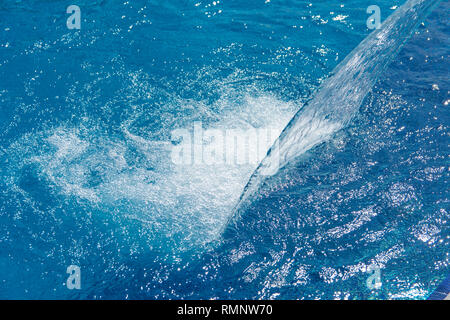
(86, 176)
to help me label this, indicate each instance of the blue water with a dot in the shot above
(86, 118)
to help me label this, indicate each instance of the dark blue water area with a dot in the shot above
(83, 114)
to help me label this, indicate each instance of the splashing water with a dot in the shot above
(182, 207)
(337, 100)
(87, 176)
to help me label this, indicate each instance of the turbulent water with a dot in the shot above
(339, 97)
(87, 119)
